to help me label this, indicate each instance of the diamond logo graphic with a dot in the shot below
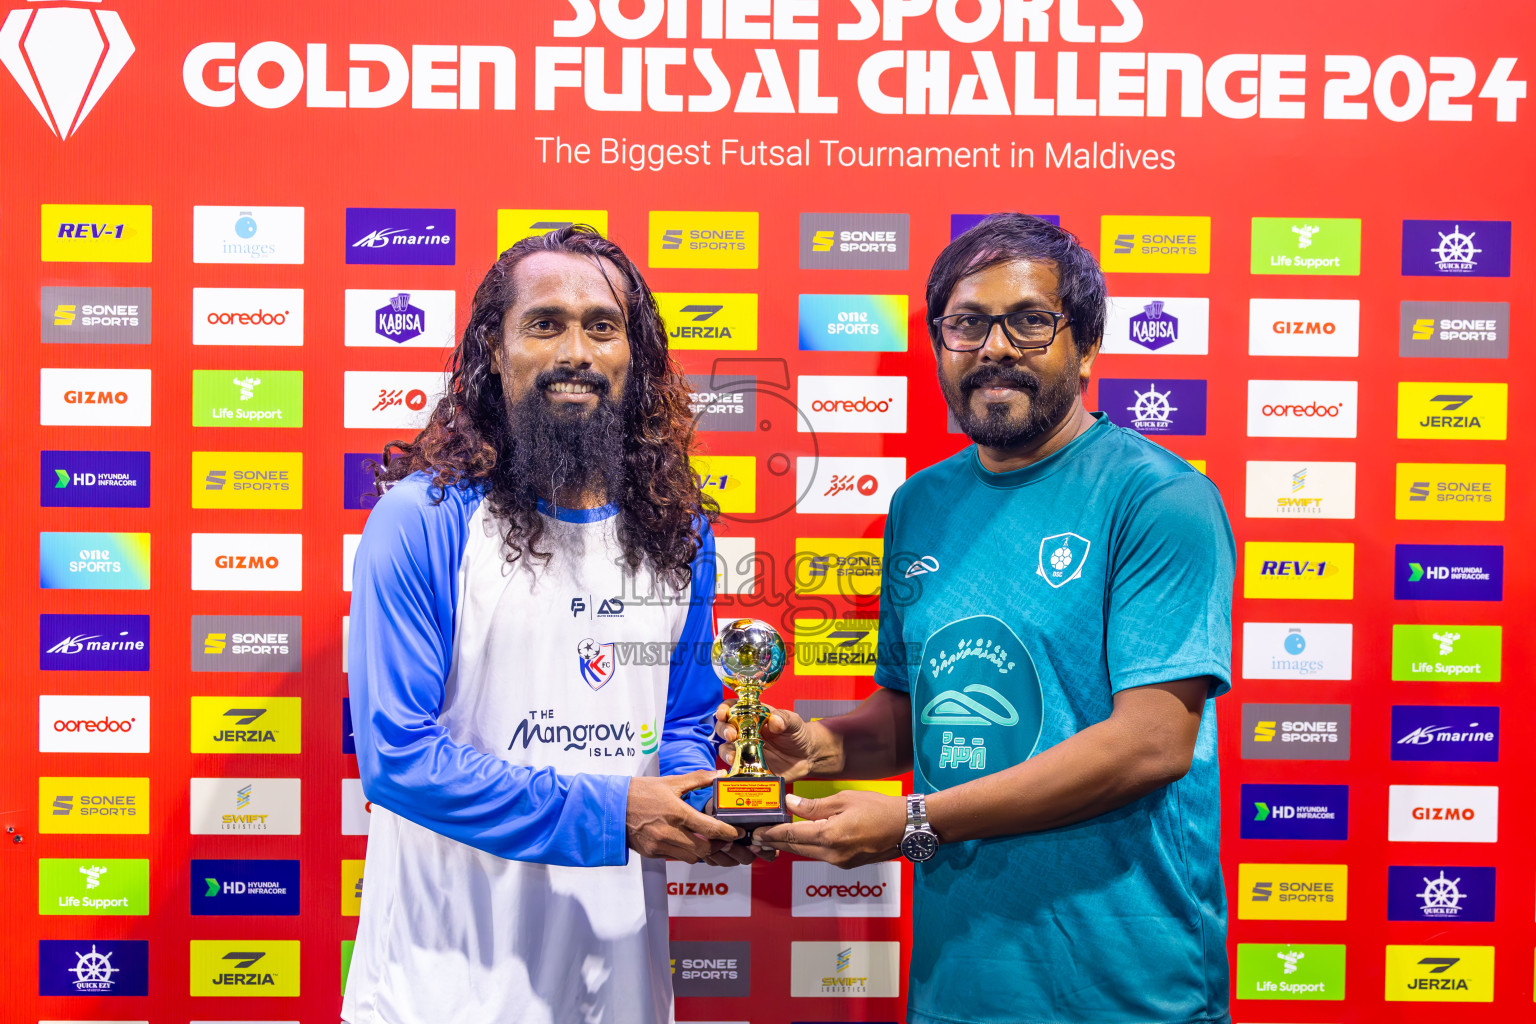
(64, 58)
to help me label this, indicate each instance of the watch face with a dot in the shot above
(919, 846)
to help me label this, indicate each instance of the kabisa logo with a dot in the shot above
(394, 318)
(1456, 248)
(709, 320)
(1155, 245)
(1431, 653)
(594, 739)
(245, 887)
(64, 59)
(86, 479)
(853, 241)
(512, 226)
(1440, 893)
(1152, 328)
(1465, 330)
(1157, 408)
(100, 967)
(248, 234)
(1448, 572)
(690, 238)
(245, 968)
(596, 662)
(1440, 974)
(1268, 971)
(967, 728)
(1154, 324)
(1294, 812)
(412, 237)
(1444, 733)
(1062, 557)
(1453, 410)
(116, 316)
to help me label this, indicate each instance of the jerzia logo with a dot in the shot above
(64, 58)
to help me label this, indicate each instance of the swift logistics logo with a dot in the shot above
(1443, 814)
(1270, 971)
(382, 318)
(853, 323)
(724, 321)
(1304, 327)
(1296, 732)
(1457, 330)
(93, 967)
(64, 59)
(114, 887)
(1447, 654)
(853, 241)
(1456, 248)
(1299, 570)
(248, 234)
(1145, 325)
(1453, 411)
(1294, 812)
(221, 967)
(248, 398)
(1305, 245)
(392, 236)
(93, 561)
(1450, 491)
(1444, 733)
(1310, 650)
(72, 397)
(1440, 893)
(512, 226)
(269, 317)
(243, 888)
(96, 233)
(84, 479)
(1448, 572)
(96, 316)
(273, 480)
(254, 806)
(1292, 892)
(246, 725)
(92, 724)
(1303, 408)
(93, 805)
(703, 239)
(93, 643)
(1155, 245)
(1439, 974)
(247, 643)
(1300, 490)
(1156, 408)
(855, 970)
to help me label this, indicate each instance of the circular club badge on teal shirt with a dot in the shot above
(978, 700)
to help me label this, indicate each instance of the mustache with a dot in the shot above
(596, 381)
(1000, 376)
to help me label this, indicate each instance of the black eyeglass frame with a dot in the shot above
(1001, 319)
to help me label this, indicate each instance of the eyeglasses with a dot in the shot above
(1025, 329)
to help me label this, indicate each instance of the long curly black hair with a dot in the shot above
(467, 439)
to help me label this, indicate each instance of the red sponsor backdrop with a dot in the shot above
(148, 141)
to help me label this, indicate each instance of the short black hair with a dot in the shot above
(1006, 237)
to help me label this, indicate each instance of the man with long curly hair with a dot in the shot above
(544, 519)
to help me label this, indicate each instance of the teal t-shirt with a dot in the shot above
(1013, 607)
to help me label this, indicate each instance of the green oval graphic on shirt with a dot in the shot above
(978, 701)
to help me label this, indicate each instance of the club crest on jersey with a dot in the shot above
(597, 662)
(1062, 556)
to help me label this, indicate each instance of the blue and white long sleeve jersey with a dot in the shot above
(499, 714)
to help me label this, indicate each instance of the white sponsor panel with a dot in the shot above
(390, 400)
(245, 806)
(247, 234)
(703, 890)
(385, 318)
(1157, 326)
(821, 890)
(846, 969)
(847, 484)
(70, 397)
(247, 561)
(1302, 408)
(1300, 490)
(355, 808)
(852, 405)
(736, 569)
(349, 543)
(1298, 650)
(1304, 327)
(1443, 814)
(92, 724)
(346, 632)
(248, 316)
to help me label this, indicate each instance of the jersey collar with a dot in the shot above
(579, 515)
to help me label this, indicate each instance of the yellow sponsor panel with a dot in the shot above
(92, 805)
(1450, 490)
(709, 320)
(351, 888)
(97, 233)
(847, 566)
(245, 725)
(1197, 463)
(1298, 570)
(248, 480)
(512, 226)
(729, 479)
(703, 238)
(243, 967)
(1292, 892)
(1458, 411)
(836, 647)
(1155, 245)
(1439, 974)
(818, 789)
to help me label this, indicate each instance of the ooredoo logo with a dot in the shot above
(92, 724)
(853, 404)
(64, 58)
(1302, 408)
(247, 561)
(821, 890)
(248, 316)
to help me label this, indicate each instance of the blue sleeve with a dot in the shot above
(404, 595)
(892, 669)
(1170, 588)
(694, 691)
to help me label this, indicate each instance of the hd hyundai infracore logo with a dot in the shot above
(64, 58)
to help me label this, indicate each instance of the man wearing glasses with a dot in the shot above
(1055, 624)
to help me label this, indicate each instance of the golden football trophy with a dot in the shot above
(748, 656)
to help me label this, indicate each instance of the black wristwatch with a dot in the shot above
(920, 842)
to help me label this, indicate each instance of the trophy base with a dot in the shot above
(751, 801)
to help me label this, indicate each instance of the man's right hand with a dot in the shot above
(790, 747)
(658, 823)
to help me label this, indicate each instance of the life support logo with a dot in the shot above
(1062, 556)
(980, 700)
(597, 663)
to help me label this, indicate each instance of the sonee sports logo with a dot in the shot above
(64, 58)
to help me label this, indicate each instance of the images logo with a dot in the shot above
(855, 485)
(1439, 733)
(271, 317)
(852, 405)
(248, 480)
(236, 888)
(1472, 654)
(248, 725)
(1296, 732)
(853, 241)
(92, 806)
(93, 643)
(1448, 572)
(842, 566)
(95, 233)
(410, 237)
(247, 561)
(93, 398)
(99, 967)
(99, 316)
(1156, 408)
(512, 226)
(94, 479)
(237, 806)
(381, 318)
(711, 968)
(1300, 490)
(691, 238)
(1313, 650)
(93, 561)
(1294, 812)
(1166, 326)
(111, 886)
(1443, 814)
(729, 404)
(853, 323)
(1440, 894)
(247, 643)
(702, 890)
(1439, 974)
(1465, 330)
(725, 321)
(1155, 245)
(1305, 245)
(1298, 571)
(64, 58)
(1456, 248)
(92, 724)
(1453, 411)
(1304, 327)
(820, 890)
(245, 968)
(1302, 408)
(390, 400)
(247, 398)
(1447, 490)
(845, 969)
(730, 479)
(1266, 971)
(1292, 892)
(247, 234)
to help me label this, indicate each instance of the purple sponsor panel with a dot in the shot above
(960, 223)
(1448, 572)
(1440, 893)
(357, 479)
(1456, 248)
(1154, 407)
(92, 967)
(1294, 812)
(401, 236)
(348, 740)
(93, 643)
(1423, 732)
(94, 479)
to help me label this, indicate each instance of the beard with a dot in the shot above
(1049, 401)
(560, 451)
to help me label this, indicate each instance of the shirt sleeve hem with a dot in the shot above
(1173, 673)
